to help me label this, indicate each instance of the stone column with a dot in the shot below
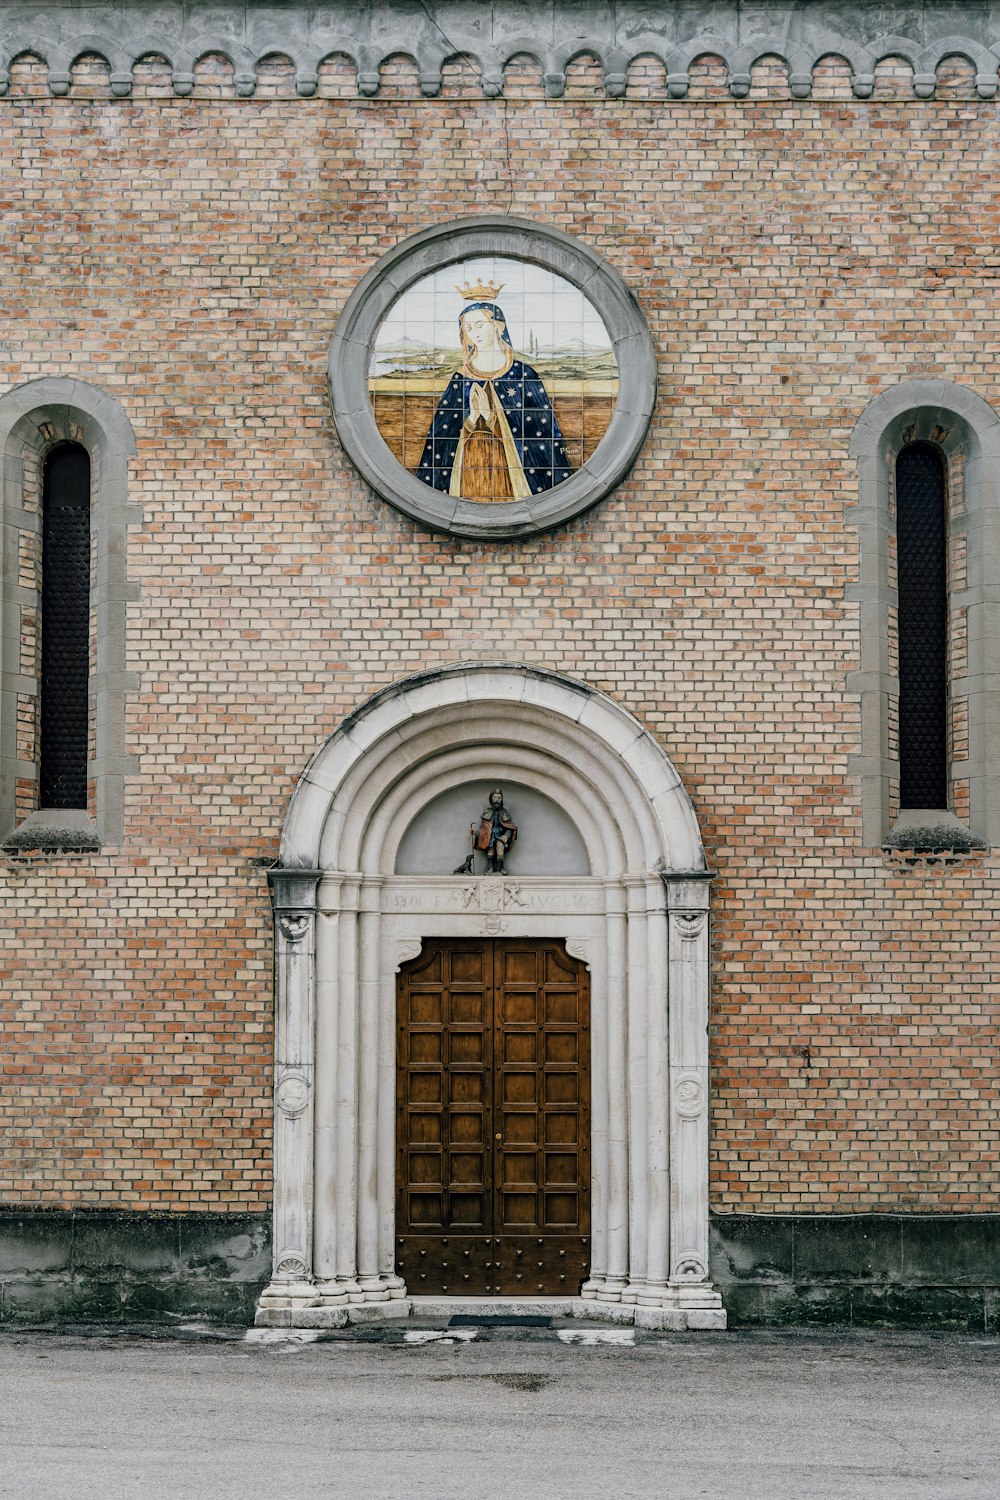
(600, 1171)
(386, 1187)
(689, 1289)
(658, 1103)
(293, 893)
(637, 1091)
(368, 1081)
(329, 937)
(347, 1096)
(616, 1278)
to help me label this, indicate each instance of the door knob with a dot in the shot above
(499, 1136)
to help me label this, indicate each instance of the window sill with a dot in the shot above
(930, 831)
(63, 830)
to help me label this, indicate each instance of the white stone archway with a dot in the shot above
(344, 922)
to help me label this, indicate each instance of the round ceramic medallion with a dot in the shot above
(492, 378)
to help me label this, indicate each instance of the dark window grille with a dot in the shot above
(923, 627)
(65, 627)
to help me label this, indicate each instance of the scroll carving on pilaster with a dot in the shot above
(291, 1094)
(690, 1267)
(294, 925)
(407, 949)
(579, 948)
(690, 924)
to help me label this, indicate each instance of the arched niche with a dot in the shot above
(346, 919)
(548, 842)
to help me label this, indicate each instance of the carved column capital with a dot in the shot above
(687, 890)
(293, 890)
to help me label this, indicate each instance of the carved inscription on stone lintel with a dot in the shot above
(467, 900)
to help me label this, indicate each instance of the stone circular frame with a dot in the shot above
(519, 239)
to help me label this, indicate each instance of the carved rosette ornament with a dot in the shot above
(292, 1265)
(294, 925)
(691, 924)
(689, 1097)
(690, 1267)
(292, 1094)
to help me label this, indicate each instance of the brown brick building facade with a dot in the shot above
(795, 258)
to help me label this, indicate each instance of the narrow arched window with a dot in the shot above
(65, 666)
(923, 627)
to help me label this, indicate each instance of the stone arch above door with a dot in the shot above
(345, 922)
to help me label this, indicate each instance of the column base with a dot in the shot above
(376, 1288)
(351, 1288)
(288, 1294)
(386, 1311)
(609, 1288)
(602, 1312)
(692, 1296)
(301, 1317)
(327, 1317)
(679, 1308)
(651, 1294)
(333, 1293)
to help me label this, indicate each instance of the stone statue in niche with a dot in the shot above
(494, 835)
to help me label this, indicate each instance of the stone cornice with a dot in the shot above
(800, 32)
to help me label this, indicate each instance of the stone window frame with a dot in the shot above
(446, 244)
(966, 431)
(35, 418)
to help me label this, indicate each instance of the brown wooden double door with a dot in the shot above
(493, 1118)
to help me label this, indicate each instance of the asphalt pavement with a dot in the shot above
(496, 1414)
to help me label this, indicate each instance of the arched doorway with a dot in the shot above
(635, 912)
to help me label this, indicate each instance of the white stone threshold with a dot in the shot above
(442, 1309)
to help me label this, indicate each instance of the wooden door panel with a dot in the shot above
(493, 1170)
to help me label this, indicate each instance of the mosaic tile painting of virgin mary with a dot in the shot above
(470, 414)
(494, 436)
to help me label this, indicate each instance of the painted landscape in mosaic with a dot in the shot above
(492, 379)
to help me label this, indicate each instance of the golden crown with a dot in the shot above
(480, 291)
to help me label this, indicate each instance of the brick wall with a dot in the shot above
(191, 256)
